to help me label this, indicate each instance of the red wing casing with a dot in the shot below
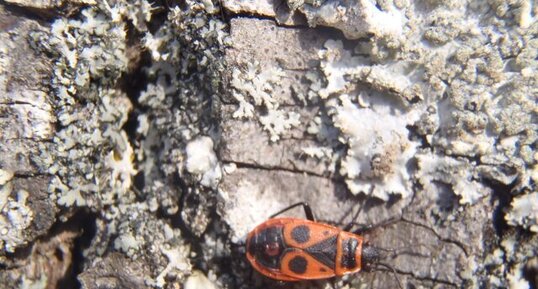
(290, 249)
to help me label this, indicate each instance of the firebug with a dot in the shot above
(292, 249)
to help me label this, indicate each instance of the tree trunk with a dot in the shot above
(140, 142)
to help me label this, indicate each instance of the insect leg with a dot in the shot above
(306, 207)
(361, 228)
(333, 283)
(355, 217)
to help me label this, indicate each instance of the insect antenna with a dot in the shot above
(393, 272)
(404, 250)
(307, 211)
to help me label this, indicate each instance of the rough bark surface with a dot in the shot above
(141, 141)
(27, 127)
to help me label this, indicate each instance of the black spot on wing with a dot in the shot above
(300, 234)
(297, 265)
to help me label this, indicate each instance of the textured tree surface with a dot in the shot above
(141, 141)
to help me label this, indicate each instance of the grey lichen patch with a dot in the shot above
(254, 88)
(93, 161)
(266, 8)
(459, 174)
(180, 117)
(265, 83)
(512, 258)
(128, 273)
(198, 280)
(144, 238)
(383, 132)
(15, 218)
(49, 4)
(376, 160)
(520, 13)
(356, 19)
(524, 212)
(91, 56)
(475, 78)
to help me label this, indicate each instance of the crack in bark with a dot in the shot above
(18, 102)
(39, 140)
(278, 168)
(412, 275)
(235, 15)
(28, 175)
(442, 239)
(235, 104)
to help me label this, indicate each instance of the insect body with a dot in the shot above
(291, 249)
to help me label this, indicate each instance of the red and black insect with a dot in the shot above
(290, 249)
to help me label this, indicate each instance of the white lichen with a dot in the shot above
(178, 262)
(15, 218)
(4, 63)
(278, 122)
(253, 89)
(138, 12)
(457, 173)
(336, 64)
(318, 152)
(524, 212)
(120, 162)
(247, 195)
(339, 66)
(515, 278)
(5, 177)
(201, 161)
(68, 197)
(91, 55)
(197, 280)
(357, 18)
(376, 160)
(127, 243)
(40, 283)
(257, 84)
(263, 7)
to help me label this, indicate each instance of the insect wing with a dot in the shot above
(296, 263)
